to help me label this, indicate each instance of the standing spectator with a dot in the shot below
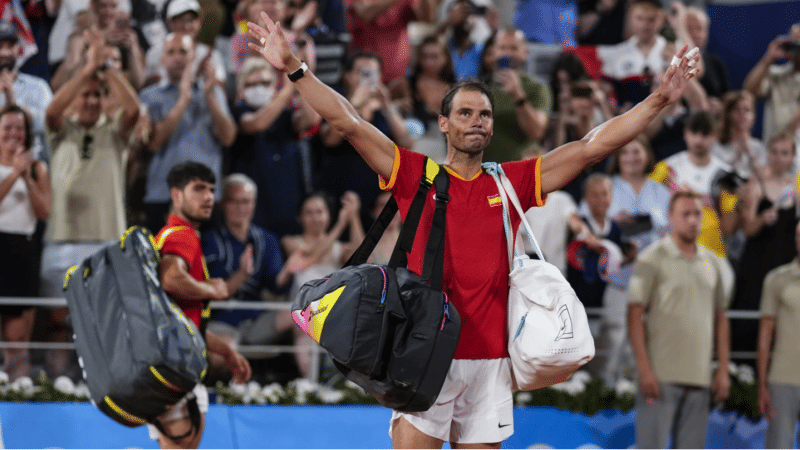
(522, 104)
(24, 198)
(190, 121)
(318, 249)
(778, 83)
(249, 259)
(548, 21)
(736, 146)
(683, 288)
(465, 27)
(639, 205)
(268, 148)
(340, 168)
(695, 168)
(184, 276)
(88, 152)
(769, 230)
(777, 363)
(183, 17)
(421, 94)
(25, 90)
(382, 27)
(633, 65)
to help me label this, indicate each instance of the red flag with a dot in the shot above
(12, 11)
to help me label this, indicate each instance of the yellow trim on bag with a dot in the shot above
(164, 381)
(68, 275)
(128, 416)
(431, 170)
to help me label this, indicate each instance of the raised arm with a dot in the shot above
(122, 90)
(564, 163)
(370, 10)
(752, 81)
(376, 149)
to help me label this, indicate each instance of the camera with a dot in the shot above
(504, 62)
(369, 77)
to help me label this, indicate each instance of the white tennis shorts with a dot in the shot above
(475, 405)
(180, 410)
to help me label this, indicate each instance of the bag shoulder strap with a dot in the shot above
(409, 229)
(433, 264)
(194, 419)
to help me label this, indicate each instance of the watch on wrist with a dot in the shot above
(297, 74)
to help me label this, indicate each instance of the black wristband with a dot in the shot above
(297, 74)
(520, 102)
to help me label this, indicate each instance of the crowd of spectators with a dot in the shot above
(123, 90)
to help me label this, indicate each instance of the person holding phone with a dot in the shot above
(24, 200)
(778, 83)
(522, 104)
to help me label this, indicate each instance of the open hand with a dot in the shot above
(677, 76)
(246, 260)
(274, 46)
(239, 367)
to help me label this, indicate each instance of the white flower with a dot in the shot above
(272, 392)
(64, 384)
(625, 386)
(82, 390)
(746, 374)
(523, 398)
(573, 387)
(252, 391)
(3, 378)
(329, 395)
(238, 389)
(732, 369)
(581, 377)
(24, 385)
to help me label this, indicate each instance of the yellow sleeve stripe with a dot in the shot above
(395, 169)
(537, 174)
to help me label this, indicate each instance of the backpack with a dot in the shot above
(138, 352)
(389, 330)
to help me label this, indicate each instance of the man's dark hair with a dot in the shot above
(366, 54)
(700, 122)
(16, 109)
(182, 174)
(470, 85)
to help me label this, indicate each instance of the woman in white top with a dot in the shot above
(737, 147)
(319, 248)
(24, 199)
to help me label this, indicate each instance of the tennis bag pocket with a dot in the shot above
(385, 328)
(139, 353)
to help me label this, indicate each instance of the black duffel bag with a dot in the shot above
(389, 330)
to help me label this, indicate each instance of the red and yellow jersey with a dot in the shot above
(180, 238)
(476, 254)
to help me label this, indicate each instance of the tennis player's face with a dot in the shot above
(196, 200)
(470, 124)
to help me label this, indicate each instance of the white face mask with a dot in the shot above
(258, 96)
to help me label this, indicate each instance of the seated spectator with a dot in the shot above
(88, 152)
(633, 65)
(769, 228)
(548, 21)
(575, 119)
(24, 199)
(421, 94)
(696, 168)
(522, 104)
(601, 22)
(183, 17)
(267, 148)
(465, 27)
(339, 168)
(319, 248)
(249, 259)
(25, 90)
(639, 205)
(382, 27)
(251, 10)
(778, 82)
(116, 28)
(736, 146)
(190, 121)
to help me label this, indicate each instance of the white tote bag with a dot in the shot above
(549, 336)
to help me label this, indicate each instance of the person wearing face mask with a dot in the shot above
(271, 121)
(28, 91)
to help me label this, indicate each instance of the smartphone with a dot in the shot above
(504, 62)
(369, 77)
(641, 223)
(791, 47)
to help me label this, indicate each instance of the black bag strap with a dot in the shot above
(433, 264)
(194, 418)
(409, 229)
